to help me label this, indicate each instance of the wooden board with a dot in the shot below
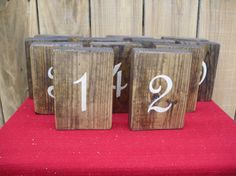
(196, 68)
(64, 17)
(217, 23)
(121, 72)
(42, 74)
(170, 18)
(83, 88)
(120, 17)
(166, 72)
(209, 65)
(15, 26)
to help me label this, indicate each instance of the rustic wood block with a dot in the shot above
(83, 88)
(159, 87)
(184, 39)
(42, 74)
(28, 42)
(198, 53)
(121, 72)
(209, 65)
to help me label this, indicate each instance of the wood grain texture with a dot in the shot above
(217, 23)
(147, 64)
(198, 53)
(64, 17)
(122, 52)
(118, 17)
(15, 26)
(41, 62)
(170, 18)
(212, 50)
(71, 65)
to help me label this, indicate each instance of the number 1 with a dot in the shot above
(83, 81)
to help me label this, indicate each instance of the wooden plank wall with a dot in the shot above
(16, 23)
(116, 17)
(218, 22)
(171, 18)
(64, 17)
(212, 19)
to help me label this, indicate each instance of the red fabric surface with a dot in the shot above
(30, 145)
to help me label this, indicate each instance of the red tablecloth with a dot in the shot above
(30, 145)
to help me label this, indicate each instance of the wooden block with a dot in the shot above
(28, 42)
(87, 40)
(198, 53)
(159, 87)
(42, 74)
(83, 88)
(209, 64)
(121, 72)
(184, 39)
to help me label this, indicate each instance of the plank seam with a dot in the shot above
(198, 18)
(143, 18)
(37, 11)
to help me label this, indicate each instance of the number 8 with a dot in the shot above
(156, 91)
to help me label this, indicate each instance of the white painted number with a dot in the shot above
(204, 72)
(50, 88)
(83, 81)
(156, 91)
(118, 86)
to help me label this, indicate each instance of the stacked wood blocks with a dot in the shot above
(83, 80)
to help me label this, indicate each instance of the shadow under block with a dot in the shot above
(212, 50)
(42, 74)
(28, 42)
(83, 88)
(121, 74)
(198, 54)
(159, 87)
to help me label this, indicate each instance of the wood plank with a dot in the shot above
(121, 74)
(42, 74)
(170, 18)
(217, 23)
(210, 63)
(146, 65)
(198, 53)
(118, 17)
(15, 27)
(83, 88)
(64, 17)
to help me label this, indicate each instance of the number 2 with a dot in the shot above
(156, 91)
(83, 81)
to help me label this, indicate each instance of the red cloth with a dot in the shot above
(30, 145)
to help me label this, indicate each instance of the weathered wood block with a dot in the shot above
(83, 88)
(42, 74)
(28, 42)
(198, 54)
(121, 72)
(209, 64)
(159, 87)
